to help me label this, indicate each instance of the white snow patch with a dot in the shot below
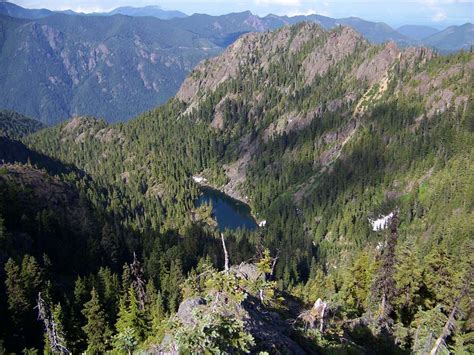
(262, 224)
(381, 223)
(199, 179)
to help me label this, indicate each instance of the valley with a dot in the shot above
(114, 227)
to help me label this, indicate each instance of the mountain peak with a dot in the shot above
(258, 50)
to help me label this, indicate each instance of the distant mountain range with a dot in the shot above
(112, 67)
(57, 65)
(376, 32)
(452, 38)
(417, 32)
(10, 9)
(154, 11)
(13, 10)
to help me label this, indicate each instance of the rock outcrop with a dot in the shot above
(270, 332)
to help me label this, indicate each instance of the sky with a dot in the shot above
(436, 13)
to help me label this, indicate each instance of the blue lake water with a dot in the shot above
(228, 212)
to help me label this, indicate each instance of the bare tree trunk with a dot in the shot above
(415, 344)
(321, 325)
(226, 255)
(138, 282)
(274, 262)
(446, 331)
(449, 325)
(55, 338)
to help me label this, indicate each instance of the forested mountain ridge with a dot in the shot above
(64, 237)
(113, 67)
(417, 32)
(453, 37)
(116, 67)
(340, 90)
(13, 10)
(324, 133)
(15, 125)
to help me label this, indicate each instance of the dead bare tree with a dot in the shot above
(56, 339)
(317, 313)
(449, 325)
(226, 255)
(274, 262)
(138, 282)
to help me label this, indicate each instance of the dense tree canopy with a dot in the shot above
(107, 229)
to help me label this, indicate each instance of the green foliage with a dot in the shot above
(126, 340)
(426, 327)
(131, 320)
(409, 281)
(213, 333)
(227, 283)
(97, 330)
(357, 283)
(23, 283)
(264, 265)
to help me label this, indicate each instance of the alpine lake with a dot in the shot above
(228, 212)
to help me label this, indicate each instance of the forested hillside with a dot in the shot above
(113, 67)
(357, 156)
(15, 125)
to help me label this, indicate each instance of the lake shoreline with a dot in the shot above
(203, 182)
(239, 209)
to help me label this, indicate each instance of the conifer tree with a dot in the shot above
(438, 277)
(131, 323)
(126, 279)
(408, 280)
(76, 333)
(384, 287)
(97, 329)
(154, 310)
(357, 282)
(17, 298)
(138, 282)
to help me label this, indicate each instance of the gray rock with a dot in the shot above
(185, 310)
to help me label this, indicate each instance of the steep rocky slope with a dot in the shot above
(324, 72)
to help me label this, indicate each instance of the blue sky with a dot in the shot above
(437, 13)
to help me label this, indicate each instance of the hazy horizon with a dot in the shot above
(434, 13)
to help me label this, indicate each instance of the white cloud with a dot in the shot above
(434, 6)
(440, 15)
(297, 12)
(279, 2)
